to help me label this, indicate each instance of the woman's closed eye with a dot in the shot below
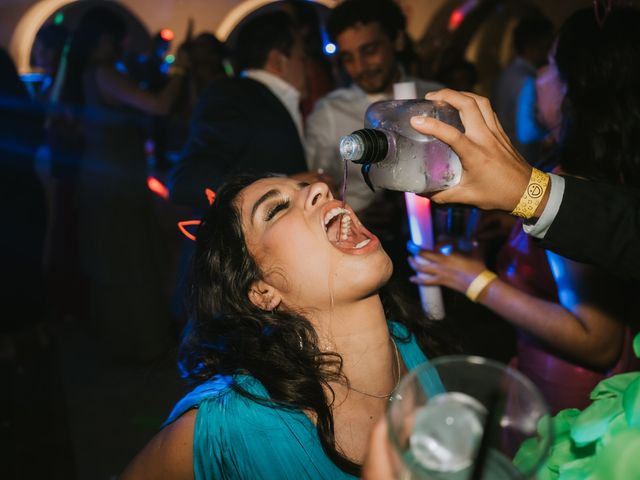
(281, 205)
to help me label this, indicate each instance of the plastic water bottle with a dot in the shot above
(394, 156)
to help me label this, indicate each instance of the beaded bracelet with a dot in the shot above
(533, 194)
(478, 284)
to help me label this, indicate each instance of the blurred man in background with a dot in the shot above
(370, 36)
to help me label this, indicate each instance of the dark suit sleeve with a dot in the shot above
(598, 224)
(218, 135)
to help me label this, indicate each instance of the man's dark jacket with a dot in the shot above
(238, 126)
(600, 224)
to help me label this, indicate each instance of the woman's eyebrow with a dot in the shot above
(274, 192)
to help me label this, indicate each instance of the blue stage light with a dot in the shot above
(329, 48)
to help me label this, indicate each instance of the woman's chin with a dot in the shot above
(370, 279)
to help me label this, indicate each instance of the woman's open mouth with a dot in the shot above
(345, 232)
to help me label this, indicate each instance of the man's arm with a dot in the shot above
(595, 223)
(600, 224)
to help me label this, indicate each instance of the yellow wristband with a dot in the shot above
(479, 283)
(533, 194)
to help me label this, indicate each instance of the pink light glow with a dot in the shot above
(419, 213)
(183, 228)
(421, 226)
(157, 187)
(456, 18)
(166, 34)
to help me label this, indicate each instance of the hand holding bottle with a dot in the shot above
(394, 156)
(494, 174)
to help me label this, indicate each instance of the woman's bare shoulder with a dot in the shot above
(169, 455)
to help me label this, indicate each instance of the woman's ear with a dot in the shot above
(275, 62)
(264, 296)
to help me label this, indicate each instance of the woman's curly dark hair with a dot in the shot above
(228, 334)
(601, 68)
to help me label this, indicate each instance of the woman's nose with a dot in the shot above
(318, 194)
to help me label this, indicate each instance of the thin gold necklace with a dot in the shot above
(396, 375)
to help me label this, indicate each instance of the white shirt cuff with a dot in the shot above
(539, 228)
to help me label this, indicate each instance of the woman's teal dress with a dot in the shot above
(237, 438)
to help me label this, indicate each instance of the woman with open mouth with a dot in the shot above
(294, 343)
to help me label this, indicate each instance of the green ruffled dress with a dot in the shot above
(600, 443)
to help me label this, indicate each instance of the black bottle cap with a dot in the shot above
(375, 145)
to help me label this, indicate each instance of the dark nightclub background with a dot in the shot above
(73, 405)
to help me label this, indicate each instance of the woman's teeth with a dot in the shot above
(345, 225)
(345, 222)
(332, 213)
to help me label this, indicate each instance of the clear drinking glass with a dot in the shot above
(455, 225)
(465, 417)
